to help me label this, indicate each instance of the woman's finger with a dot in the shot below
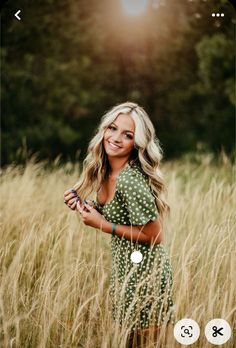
(73, 205)
(67, 193)
(78, 207)
(88, 206)
(69, 196)
(71, 190)
(72, 200)
(69, 206)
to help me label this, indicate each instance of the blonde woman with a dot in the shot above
(121, 174)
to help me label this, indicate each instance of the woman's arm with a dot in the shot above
(149, 233)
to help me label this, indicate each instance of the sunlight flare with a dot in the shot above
(134, 7)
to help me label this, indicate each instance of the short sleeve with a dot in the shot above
(137, 198)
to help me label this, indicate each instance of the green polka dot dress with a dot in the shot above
(141, 293)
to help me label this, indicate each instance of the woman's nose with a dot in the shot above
(116, 137)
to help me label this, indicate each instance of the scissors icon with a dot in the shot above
(217, 331)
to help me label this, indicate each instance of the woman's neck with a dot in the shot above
(116, 165)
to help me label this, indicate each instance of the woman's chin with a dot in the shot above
(113, 154)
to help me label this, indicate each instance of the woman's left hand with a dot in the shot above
(90, 216)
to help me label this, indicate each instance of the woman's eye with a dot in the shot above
(127, 136)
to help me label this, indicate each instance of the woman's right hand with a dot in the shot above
(71, 198)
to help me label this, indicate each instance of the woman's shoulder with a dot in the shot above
(132, 174)
(136, 196)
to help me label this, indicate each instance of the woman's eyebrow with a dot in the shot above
(124, 130)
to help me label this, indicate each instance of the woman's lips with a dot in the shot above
(113, 146)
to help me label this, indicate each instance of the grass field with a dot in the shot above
(54, 270)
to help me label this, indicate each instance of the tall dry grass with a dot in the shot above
(55, 271)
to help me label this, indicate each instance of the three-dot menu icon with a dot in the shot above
(217, 14)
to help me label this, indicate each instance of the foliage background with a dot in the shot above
(67, 62)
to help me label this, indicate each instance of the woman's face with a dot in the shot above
(118, 138)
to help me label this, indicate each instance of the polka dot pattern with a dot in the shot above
(141, 293)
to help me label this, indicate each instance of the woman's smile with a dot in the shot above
(113, 146)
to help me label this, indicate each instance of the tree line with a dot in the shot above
(67, 62)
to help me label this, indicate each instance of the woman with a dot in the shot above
(122, 171)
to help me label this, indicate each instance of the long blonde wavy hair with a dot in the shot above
(147, 153)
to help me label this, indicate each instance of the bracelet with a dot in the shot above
(113, 229)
